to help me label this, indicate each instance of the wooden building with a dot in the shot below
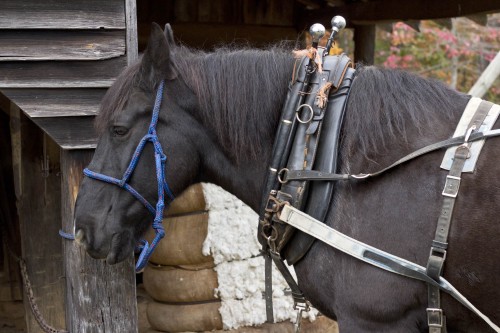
(57, 58)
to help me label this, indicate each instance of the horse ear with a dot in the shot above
(156, 62)
(169, 34)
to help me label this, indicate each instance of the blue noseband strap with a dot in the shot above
(144, 247)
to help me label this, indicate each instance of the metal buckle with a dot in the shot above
(300, 307)
(437, 252)
(435, 313)
(451, 186)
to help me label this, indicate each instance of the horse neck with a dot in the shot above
(241, 117)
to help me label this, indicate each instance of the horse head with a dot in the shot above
(108, 220)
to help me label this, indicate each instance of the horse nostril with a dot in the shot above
(79, 235)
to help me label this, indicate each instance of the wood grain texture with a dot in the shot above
(54, 14)
(60, 74)
(208, 35)
(372, 12)
(131, 22)
(36, 45)
(39, 207)
(100, 298)
(70, 132)
(57, 102)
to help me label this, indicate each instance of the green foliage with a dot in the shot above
(457, 56)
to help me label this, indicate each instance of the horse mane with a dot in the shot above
(240, 92)
(116, 97)
(385, 104)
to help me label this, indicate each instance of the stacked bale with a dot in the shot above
(207, 273)
(179, 278)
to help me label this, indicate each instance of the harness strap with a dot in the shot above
(436, 320)
(372, 255)
(315, 175)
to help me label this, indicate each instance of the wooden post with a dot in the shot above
(364, 44)
(99, 297)
(131, 23)
(487, 78)
(38, 201)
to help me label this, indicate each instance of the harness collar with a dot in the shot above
(146, 249)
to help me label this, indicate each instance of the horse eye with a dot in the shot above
(119, 130)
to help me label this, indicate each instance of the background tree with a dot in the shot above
(456, 55)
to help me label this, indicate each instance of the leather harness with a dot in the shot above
(301, 181)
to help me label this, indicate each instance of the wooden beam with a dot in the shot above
(36, 45)
(364, 44)
(100, 298)
(55, 14)
(61, 74)
(371, 12)
(206, 36)
(56, 102)
(39, 206)
(70, 132)
(132, 37)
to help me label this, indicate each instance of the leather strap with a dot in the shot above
(268, 282)
(436, 320)
(314, 175)
(372, 255)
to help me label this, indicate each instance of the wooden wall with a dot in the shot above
(57, 59)
(205, 23)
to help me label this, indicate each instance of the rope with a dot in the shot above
(313, 54)
(31, 299)
(28, 288)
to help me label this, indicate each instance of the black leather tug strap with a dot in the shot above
(314, 175)
(282, 136)
(279, 155)
(268, 283)
(436, 319)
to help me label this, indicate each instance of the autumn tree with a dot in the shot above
(457, 54)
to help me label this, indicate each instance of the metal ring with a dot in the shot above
(311, 114)
(283, 172)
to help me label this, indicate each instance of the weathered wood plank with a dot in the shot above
(60, 74)
(371, 12)
(54, 14)
(36, 45)
(209, 35)
(269, 12)
(9, 221)
(70, 132)
(364, 44)
(39, 207)
(131, 21)
(100, 298)
(57, 102)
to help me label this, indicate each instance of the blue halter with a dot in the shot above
(144, 247)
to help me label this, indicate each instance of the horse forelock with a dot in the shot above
(116, 97)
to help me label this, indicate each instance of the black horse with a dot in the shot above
(217, 123)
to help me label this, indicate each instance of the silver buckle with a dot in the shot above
(451, 186)
(300, 307)
(431, 312)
